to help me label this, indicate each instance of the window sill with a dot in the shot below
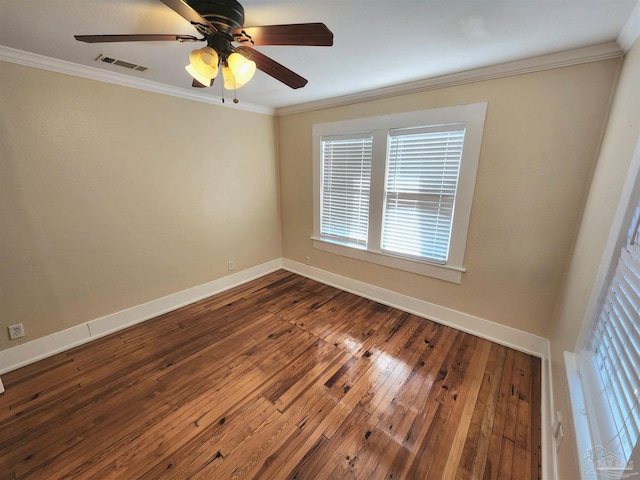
(441, 272)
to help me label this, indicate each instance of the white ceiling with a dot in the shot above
(377, 43)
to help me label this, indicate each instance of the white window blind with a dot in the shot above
(345, 186)
(611, 361)
(420, 190)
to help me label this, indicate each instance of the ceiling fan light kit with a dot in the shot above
(203, 67)
(229, 43)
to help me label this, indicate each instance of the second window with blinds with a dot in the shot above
(397, 189)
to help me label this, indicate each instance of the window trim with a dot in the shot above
(473, 116)
(575, 360)
(599, 419)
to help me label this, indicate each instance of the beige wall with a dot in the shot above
(540, 142)
(111, 197)
(621, 137)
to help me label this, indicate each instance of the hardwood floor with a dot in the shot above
(283, 378)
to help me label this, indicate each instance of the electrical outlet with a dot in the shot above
(16, 331)
(307, 260)
(231, 266)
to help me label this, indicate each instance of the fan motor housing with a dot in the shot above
(225, 15)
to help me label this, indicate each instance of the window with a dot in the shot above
(397, 189)
(420, 191)
(346, 174)
(604, 371)
(610, 361)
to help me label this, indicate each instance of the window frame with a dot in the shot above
(473, 117)
(603, 423)
(583, 384)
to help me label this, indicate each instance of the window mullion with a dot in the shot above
(376, 200)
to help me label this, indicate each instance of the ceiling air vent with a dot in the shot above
(121, 63)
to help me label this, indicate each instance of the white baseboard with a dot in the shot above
(40, 348)
(30, 352)
(501, 334)
(508, 336)
(549, 453)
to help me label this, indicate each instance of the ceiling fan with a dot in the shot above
(229, 43)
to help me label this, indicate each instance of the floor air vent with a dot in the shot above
(121, 63)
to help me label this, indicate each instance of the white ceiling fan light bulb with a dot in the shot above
(205, 62)
(243, 69)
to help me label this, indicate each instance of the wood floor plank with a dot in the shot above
(478, 364)
(281, 377)
(308, 412)
(419, 429)
(232, 427)
(496, 442)
(504, 469)
(472, 466)
(208, 410)
(310, 462)
(534, 420)
(521, 449)
(390, 422)
(445, 399)
(117, 375)
(455, 393)
(342, 449)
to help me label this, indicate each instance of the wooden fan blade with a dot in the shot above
(189, 14)
(197, 84)
(136, 38)
(305, 34)
(273, 68)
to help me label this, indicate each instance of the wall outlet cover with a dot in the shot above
(16, 331)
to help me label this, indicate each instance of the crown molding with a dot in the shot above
(631, 30)
(545, 62)
(34, 60)
(566, 58)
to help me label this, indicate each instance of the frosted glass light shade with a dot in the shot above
(243, 69)
(229, 80)
(203, 65)
(194, 73)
